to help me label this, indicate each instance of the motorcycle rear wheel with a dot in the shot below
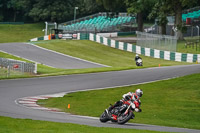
(103, 117)
(124, 118)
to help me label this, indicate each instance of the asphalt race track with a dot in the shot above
(46, 57)
(10, 90)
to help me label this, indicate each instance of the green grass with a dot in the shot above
(174, 102)
(192, 39)
(96, 52)
(11, 125)
(133, 35)
(181, 48)
(5, 55)
(20, 33)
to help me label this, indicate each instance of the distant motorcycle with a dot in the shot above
(121, 114)
(139, 62)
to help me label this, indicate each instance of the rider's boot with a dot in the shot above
(133, 116)
(110, 108)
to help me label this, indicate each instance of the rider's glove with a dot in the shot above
(138, 110)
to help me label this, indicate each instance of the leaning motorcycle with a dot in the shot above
(121, 114)
(139, 62)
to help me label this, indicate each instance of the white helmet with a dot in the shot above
(139, 92)
(136, 55)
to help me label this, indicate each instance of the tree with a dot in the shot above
(52, 10)
(87, 7)
(160, 11)
(139, 7)
(1, 10)
(112, 5)
(177, 7)
(15, 6)
(164, 8)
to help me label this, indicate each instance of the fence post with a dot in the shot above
(22, 68)
(8, 71)
(35, 69)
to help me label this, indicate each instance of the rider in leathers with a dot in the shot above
(130, 96)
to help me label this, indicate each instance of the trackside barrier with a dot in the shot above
(85, 36)
(48, 37)
(18, 66)
(155, 53)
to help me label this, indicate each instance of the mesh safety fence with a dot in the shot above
(155, 41)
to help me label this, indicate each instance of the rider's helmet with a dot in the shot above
(136, 55)
(139, 92)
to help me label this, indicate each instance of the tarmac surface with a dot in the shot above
(47, 57)
(11, 90)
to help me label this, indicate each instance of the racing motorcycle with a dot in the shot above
(121, 114)
(139, 62)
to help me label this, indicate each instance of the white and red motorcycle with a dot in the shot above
(121, 114)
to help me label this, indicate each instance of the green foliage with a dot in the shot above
(141, 8)
(45, 10)
(160, 11)
(1, 17)
(59, 10)
(88, 7)
(52, 10)
(182, 28)
(112, 5)
(137, 6)
(164, 8)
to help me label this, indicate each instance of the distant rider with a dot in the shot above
(138, 60)
(130, 96)
(137, 57)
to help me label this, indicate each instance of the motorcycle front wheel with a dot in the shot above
(103, 117)
(124, 118)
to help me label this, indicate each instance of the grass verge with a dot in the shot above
(174, 102)
(20, 33)
(181, 48)
(95, 52)
(11, 125)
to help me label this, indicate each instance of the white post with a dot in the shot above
(175, 30)
(35, 70)
(46, 28)
(8, 71)
(198, 29)
(75, 13)
(192, 31)
(55, 25)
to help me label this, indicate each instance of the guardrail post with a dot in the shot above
(35, 69)
(8, 70)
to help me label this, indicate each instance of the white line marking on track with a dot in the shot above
(68, 55)
(25, 102)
